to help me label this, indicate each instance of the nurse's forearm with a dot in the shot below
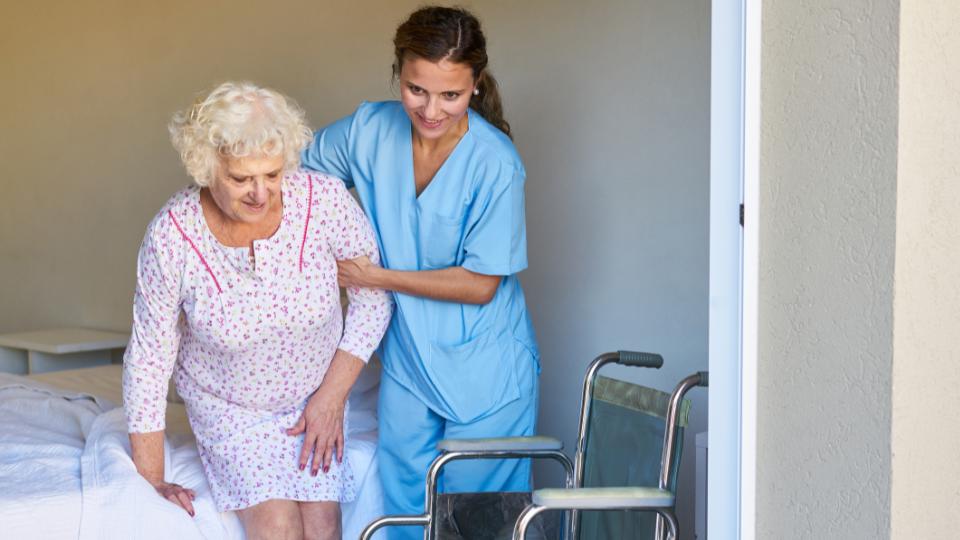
(454, 284)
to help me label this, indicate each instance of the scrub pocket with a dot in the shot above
(475, 377)
(440, 239)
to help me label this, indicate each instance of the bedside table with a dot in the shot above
(53, 350)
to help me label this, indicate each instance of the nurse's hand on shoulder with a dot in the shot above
(322, 426)
(357, 272)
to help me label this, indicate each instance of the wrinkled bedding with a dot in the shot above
(66, 471)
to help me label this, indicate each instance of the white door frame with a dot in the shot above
(734, 180)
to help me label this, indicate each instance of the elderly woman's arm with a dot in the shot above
(322, 420)
(151, 354)
(349, 235)
(147, 450)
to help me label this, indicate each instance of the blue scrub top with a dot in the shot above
(460, 359)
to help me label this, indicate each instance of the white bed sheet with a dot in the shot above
(66, 472)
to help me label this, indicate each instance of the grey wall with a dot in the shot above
(828, 194)
(609, 101)
(611, 106)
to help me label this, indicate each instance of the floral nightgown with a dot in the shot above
(249, 340)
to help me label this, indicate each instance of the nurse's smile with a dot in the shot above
(430, 124)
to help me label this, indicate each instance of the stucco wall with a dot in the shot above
(926, 385)
(828, 188)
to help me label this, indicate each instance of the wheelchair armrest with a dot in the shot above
(611, 498)
(501, 444)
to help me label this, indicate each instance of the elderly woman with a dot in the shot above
(237, 298)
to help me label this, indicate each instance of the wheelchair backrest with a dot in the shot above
(624, 445)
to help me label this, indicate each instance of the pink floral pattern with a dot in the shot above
(249, 340)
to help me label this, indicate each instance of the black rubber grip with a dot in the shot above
(640, 359)
(704, 378)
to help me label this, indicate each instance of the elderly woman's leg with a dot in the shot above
(321, 520)
(279, 519)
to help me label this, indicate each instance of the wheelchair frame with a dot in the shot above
(659, 500)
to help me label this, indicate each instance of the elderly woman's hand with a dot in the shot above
(177, 494)
(322, 424)
(357, 272)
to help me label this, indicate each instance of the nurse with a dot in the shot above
(442, 184)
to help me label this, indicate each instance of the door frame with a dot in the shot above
(734, 263)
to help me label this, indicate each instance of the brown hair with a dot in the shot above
(440, 33)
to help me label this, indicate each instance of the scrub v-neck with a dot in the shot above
(418, 199)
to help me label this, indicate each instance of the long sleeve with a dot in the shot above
(349, 236)
(155, 338)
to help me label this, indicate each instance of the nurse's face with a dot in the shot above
(247, 189)
(435, 95)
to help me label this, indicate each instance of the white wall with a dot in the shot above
(609, 101)
(925, 483)
(828, 194)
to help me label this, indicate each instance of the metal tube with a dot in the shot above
(586, 401)
(670, 431)
(671, 519)
(670, 440)
(385, 521)
(433, 473)
(524, 521)
(586, 404)
(530, 512)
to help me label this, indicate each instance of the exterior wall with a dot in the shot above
(827, 224)
(925, 491)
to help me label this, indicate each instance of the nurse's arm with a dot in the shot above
(454, 284)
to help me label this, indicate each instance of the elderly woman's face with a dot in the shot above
(247, 189)
(435, 95)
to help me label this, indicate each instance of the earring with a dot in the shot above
(476, 91)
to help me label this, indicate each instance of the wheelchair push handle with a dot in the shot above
(639, 359)
(704, 379)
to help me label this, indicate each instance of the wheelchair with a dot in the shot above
(617, 420)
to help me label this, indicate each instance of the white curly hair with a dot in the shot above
(238, 119)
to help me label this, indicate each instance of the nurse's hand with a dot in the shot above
(322, 424)
(357, 272)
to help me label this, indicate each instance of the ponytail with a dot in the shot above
(487, 102)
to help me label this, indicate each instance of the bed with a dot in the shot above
(66, 472)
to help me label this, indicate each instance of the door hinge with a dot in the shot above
(741, 214)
